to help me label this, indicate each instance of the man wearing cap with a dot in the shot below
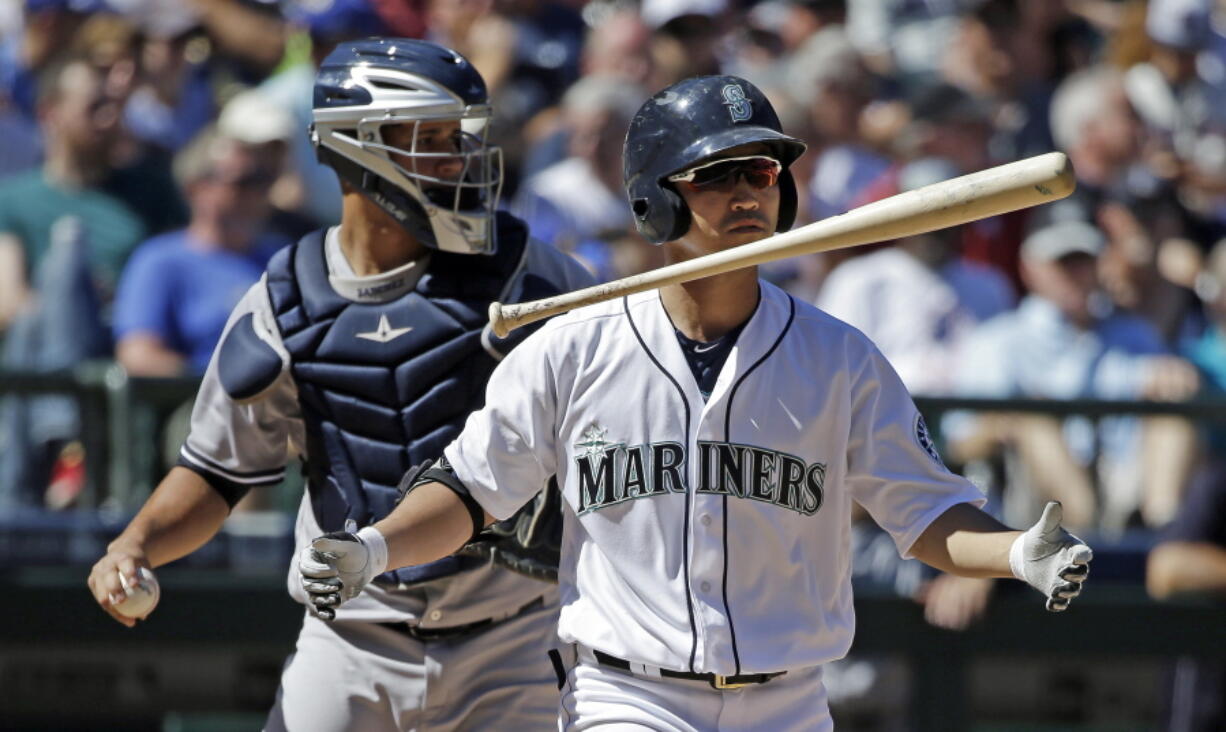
(1064, 342)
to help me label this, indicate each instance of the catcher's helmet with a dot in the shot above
(365, 85)
(686, 123)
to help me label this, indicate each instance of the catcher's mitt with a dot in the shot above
(529, 542)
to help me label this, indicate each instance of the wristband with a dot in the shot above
(377, 546)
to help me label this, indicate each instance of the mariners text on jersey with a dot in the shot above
(612, 472)
(687, 516)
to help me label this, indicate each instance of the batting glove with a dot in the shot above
(335, 567)
(1051, 560)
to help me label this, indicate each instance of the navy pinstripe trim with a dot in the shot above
(736, 655)
(562, 693)
(244, 477)
(229, 491)
(685, 534)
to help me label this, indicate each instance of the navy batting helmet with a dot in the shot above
(366, 85)
(686, 123)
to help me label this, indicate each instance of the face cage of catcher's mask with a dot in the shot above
(476, 187)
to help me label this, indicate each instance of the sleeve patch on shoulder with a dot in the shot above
(246, 364)
(925, 440)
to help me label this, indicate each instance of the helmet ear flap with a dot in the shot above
(787, 201)
(678, 214)
(661, 216)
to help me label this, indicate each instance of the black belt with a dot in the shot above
(458, 631)
(717, 681)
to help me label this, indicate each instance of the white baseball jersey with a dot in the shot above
(707, 537)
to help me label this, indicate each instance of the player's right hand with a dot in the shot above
(335, 567)
(1050, 559)
(104, 578)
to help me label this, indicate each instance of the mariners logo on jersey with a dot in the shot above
(925, 440)
(613, 472)
(738, 106)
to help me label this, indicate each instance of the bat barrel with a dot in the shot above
(1030, 182)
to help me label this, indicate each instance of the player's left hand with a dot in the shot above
(335, 567)
(1051, 560)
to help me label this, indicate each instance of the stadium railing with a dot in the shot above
(46, 555)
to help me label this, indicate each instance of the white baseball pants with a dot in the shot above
(599, 697)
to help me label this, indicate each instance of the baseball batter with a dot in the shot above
(710, 439)
(363, 349)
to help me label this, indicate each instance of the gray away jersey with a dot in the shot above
(251, 442)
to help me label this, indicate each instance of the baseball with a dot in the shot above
(142, 598)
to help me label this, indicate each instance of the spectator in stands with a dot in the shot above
(1208, 351)
(618, 45)
(1180, 94)
(917, 299)
(179, 288)
(948, 122)
(1131, 276)
(249, 34)
(255, 119)
(984, 59)
(685, 37)
(477, 32)
(1190, 558)
(22, 148)
(80, 125)
(831, 82)
(42, 461)
(46, 38)
(139, 172)
(902, 38)
(1060, 344)
(173, 99)
(311, 189)
(578, 203)
(1093, 121)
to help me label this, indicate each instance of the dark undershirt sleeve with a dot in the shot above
(230, 491)
(440, 471)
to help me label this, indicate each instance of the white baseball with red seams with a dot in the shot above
(141, 597)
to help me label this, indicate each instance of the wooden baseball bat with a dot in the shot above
(990, 192)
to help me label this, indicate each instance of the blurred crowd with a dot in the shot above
(154, 154)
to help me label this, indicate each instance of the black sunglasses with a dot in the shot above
(721, 175)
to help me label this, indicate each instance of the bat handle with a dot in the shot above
(506, 318)
(499, 324)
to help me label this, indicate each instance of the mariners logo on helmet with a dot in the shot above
(738, 106)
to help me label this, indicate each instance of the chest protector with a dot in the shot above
(386, 386)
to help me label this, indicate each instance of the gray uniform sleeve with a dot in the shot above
(236, 445)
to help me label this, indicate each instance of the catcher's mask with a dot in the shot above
(445, 195)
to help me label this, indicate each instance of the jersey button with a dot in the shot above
(705, 586)
(436, 614)
(706, 519)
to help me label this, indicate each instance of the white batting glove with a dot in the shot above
(1050, 559)
(335, 567)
